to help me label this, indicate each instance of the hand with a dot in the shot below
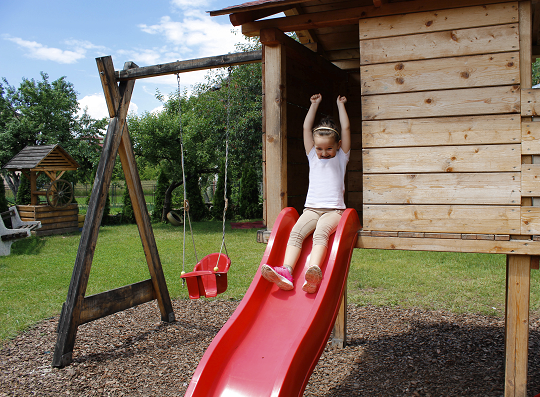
(316, 99)
(341, 99)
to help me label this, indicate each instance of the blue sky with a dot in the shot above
(63, 38)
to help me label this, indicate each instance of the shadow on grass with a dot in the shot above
(29, 246)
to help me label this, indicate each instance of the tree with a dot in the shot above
(218, 204)
(44, 113)
(4, 206)
(156, 138)
(197, 209)
(159, 197)
(24, 196)
(128, 215)
(226, 108)
(536, 72)
(249, 206)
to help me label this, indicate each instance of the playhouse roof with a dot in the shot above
(42, 158)
(330, 27)
(327, 27)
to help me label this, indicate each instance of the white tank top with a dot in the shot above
(327, 180)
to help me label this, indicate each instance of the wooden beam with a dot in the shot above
(521, 247)
(379, 3)
(189, 65)
(240, 18)
(254, 7)
(116, 300)
(518, 278)
(350, 16)
(304, 36)
(300, 52)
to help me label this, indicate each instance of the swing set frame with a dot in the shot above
(78, 309)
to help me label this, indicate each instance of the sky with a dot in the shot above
(63, 38)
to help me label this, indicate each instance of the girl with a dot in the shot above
(328, 154)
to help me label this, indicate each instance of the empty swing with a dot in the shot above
(209, 276)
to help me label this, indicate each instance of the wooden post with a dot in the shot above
(33, 188)
(77, 309)
(518, 272)
(136, 193)
(275, 107)
(339, 337)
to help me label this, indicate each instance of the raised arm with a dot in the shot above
(309, 120)
(344, 123)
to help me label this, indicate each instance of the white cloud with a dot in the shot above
(186, 4)
(159, 109)
(40, 51)
(77, 51)
(196, 36)
(96, 106)
(143, 57)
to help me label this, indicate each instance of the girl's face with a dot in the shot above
(326, 147)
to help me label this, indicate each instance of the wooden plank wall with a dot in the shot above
(441, 123)
(53, 220)
(353, 193)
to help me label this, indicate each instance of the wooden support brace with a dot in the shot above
(518, 272)
(339, 337)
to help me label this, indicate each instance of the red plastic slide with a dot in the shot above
(272, 342)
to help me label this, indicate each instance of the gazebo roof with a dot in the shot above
(42, 158)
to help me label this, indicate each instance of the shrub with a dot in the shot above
(24, 195)
(4, 206)
(128, 215)
(249, 194)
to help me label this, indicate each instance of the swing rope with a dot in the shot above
(186, 202)
(226, 200)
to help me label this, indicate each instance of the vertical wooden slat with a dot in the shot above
(525, 44)
(517, 324)
(339, 338)
(263, 123)
(276, 146)
(33, 188)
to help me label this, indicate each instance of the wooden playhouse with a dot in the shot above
(58, 213)
(446, 146)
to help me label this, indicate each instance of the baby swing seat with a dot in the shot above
(204, 281)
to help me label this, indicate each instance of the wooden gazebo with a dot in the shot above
(58, 214)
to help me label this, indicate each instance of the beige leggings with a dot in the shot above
(321, 222)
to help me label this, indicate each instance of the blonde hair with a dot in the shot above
(327, 127)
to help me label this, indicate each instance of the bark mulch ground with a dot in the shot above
(390, 352)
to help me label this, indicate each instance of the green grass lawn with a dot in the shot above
(35, 278)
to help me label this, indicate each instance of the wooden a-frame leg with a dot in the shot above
(118, 99)
(518, 272)
(136, 194)
(67, 326)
